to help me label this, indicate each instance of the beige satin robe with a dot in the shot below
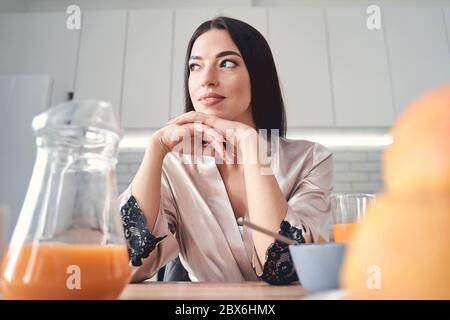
(196, 213)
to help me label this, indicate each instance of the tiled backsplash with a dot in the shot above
(357, 171)
(354, 170)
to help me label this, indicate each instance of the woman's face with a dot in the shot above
(218, 69)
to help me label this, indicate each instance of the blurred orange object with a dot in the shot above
(419, 158)
(407, 239)
(402, 250)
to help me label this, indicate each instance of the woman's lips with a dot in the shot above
(211, 101)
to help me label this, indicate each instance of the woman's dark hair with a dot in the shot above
(266, 99)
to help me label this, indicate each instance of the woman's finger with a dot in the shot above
(211, 131)
(211, 136)
(203, 133)
(198, 117)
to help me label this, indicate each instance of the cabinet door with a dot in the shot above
(146, 88)
(418, 51)
(256, 17)
(22, 97)
(100, 61)
(359, 68)
(186, 21)
(297, 38)
(446, 12)
(40, 43)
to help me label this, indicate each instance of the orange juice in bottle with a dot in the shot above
(65, 271)
(68, 242)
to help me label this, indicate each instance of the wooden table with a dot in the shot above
(251, 290)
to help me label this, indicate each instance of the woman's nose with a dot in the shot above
(209, 83)
(209, 79)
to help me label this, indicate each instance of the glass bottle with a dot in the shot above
(68, 242)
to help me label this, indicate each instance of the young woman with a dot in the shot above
(175, 207)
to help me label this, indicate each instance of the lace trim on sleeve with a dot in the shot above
(139, 240)
(279, 268)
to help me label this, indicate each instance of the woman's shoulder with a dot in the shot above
(298, 147)
(298, 157)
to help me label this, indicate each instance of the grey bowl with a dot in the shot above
(318, 265)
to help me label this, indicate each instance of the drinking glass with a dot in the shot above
(348, 211)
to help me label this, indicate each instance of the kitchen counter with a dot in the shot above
(251, 290)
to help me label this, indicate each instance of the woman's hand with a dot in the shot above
(190, 138)
(233, 132)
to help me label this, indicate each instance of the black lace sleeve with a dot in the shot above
(279, 268)
(140, 241)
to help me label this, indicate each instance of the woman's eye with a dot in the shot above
(193, 66)
(228, 64)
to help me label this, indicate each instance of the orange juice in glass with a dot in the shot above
(348, 211)
(342, 232)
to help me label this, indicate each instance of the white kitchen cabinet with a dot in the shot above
(146, 88)
(186, 21)
(256, 17)
(418, 51)
(40, 43)
(362, 89)
(22, 97)
(101, 57)
(298, 42)
(446, 12)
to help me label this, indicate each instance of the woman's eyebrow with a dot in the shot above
(221, 54)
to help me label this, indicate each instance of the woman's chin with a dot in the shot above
(211, 111)
(214, 112)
